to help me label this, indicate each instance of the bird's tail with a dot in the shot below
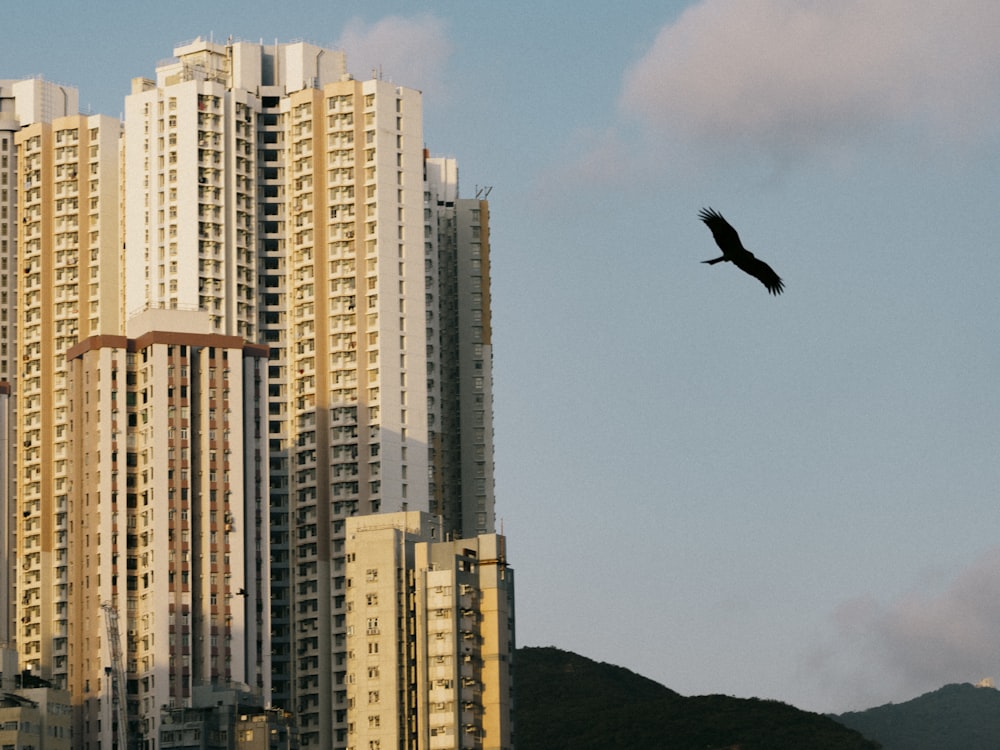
(715, 260)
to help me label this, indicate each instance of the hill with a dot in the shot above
(960, 716)
(568, 702)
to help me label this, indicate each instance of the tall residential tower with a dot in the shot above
(460, 353)
(68, 259)
(25, 103)
(169, 519)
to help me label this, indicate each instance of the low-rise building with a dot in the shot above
(430, 635)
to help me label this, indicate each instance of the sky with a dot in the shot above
(787, 497)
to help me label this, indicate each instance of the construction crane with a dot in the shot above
(119, 699)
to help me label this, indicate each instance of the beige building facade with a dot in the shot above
(430, 636)
(67, 260)
(33, 103)
(38, 718)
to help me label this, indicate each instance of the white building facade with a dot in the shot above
(169, 510)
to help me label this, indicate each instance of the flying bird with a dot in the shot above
(733, 251)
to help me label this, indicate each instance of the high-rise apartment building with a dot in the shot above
(23, 103)
(460, 353)
(352, 383)
(67, 262)
(169, 517)
(253, 311)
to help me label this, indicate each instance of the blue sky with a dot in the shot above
(791, 497)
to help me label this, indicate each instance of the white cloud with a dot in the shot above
(916, 644)
(796, 76)
(410, 51)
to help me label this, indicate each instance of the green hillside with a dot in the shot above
(568, 702)
(955, 716)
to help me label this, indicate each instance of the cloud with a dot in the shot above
(916, 644)
(410, 51)
(592, 157)
(791, 77)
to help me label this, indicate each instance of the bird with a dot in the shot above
(733, 251)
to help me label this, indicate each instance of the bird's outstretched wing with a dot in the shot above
(725, 236)
(757, 268)
(733, 251)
